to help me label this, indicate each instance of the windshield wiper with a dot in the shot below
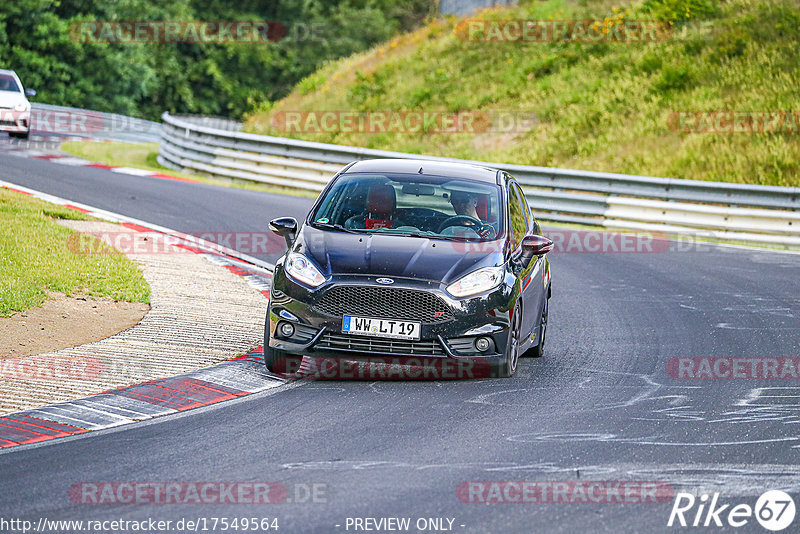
(429, 235)
(333, 226)
(460, 239)
(404, 234)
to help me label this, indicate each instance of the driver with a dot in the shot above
(465, 203)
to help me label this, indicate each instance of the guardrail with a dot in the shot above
(85, 123)
(725, 211)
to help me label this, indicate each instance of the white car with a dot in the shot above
(15, 110)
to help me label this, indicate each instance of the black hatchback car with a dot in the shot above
(411, 259)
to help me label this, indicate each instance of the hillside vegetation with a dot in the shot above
(45, 42)
(604, 106)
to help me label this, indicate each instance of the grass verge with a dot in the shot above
(35, 258)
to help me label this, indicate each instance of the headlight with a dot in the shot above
(477, 282)
(22, 106)
(300, 268)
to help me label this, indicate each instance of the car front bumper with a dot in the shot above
(319, 333)
(15, 121)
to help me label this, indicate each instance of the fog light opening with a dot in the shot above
(286, 329)
(482, 344)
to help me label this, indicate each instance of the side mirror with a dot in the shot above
(285, 227)
(534, 245)
(30, 92)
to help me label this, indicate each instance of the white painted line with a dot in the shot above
(104, 402)
(131, 171)
(84, 407)
(43, 413)
(75, 162)
(238, 377)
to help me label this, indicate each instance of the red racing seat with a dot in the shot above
(381, 203)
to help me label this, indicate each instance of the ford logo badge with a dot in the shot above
(385, 281)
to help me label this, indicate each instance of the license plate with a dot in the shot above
(370, 326)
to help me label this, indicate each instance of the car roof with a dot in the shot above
(5, 71)
(447, 169)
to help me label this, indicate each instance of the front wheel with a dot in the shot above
(278, 361)
(507, 365)
(19, 135)
(538, 350)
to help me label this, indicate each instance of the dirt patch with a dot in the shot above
(66, 322)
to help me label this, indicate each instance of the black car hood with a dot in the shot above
(337, 252)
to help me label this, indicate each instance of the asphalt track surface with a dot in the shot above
(599, 406)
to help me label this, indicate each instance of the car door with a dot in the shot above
(540, 277)
(532, 292)
(520, 227)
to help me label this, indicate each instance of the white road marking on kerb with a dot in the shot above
(131, 171)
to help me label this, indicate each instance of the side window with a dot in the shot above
(533, 224)
(519, 227)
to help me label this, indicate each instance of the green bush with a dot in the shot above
(309, 84)
(680, 10)
(673, 77)
(650, 63)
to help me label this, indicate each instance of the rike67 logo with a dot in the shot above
(774, 510)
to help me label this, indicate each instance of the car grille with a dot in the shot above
(386, 303)
(377, 345)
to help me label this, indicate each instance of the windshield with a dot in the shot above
(411, 204)
(8, 83)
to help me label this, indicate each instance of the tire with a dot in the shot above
(18, 135)
(538, 350)
(278, 361)
(507, 365)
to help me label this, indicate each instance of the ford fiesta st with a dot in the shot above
(411, 259)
